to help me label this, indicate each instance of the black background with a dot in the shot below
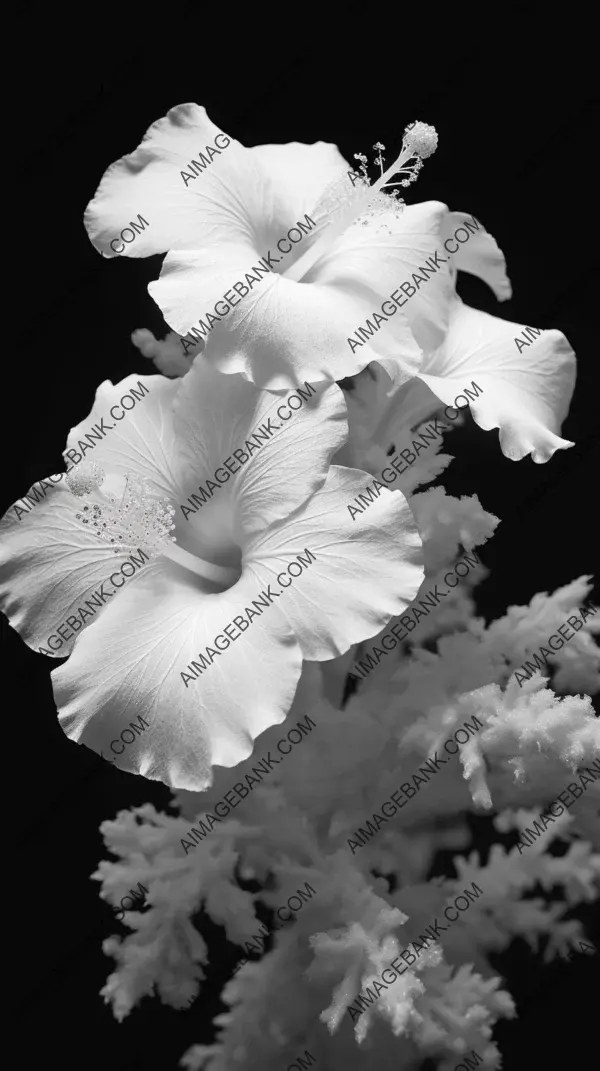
(510, 92)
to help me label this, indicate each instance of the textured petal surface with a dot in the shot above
(149, 182)
(366, 569)
(50, 565)
(245, 197)
(525, 394)
(215, 415)
(139, 439)
(129, 663)
(281, 333)
(374, 260)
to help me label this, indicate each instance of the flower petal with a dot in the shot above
(50, 565)
(525, 393)
(281, 333)
(138, 439)
(479, 256)
(526, 389)
(233, 195)
(129, 663)
(216, 415)
(309, 695)
(374, 260)
(299, 174)
(367, 569)
(149, 182)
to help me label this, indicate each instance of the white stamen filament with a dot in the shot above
(219, 574)
(299, 269)
(419, 142)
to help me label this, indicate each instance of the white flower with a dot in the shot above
(217, 219)
(133, 657)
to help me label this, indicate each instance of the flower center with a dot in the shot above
(138, 520)
(135, 520)
(419, 142)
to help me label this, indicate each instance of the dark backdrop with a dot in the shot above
(510, 92)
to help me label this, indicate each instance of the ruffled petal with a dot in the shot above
(150, 183)
(373, 261)
(479, 256)
(283, 332)
(53, 568)
(526, 383)
(525, 392)
(129, 663)
(216, 415)
(196, 188)
(366, 569)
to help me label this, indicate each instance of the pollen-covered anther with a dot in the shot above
(138, 521)
(338, 196)
(381, 205)
(420, 139)
(87, 477)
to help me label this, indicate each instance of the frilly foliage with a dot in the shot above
(294, 829)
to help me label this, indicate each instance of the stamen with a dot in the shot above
(139, 520)
(421, 139)
(341, 194)
(379, 157)
(219, 574)
(363, 165)
(336, 198)
(87, 477)
(419, 142)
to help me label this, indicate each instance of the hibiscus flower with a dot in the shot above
(157, 647)
(275, 254)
